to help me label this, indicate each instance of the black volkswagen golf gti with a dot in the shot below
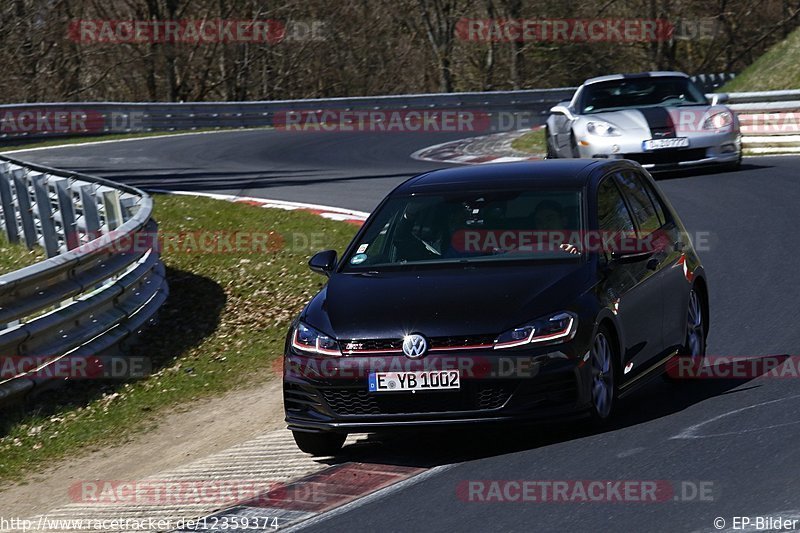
(496, 293)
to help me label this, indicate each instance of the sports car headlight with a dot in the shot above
(307, 339)
(553, 328)
(723, 119)
(603, 129)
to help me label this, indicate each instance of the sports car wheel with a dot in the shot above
(735, 165)
(573, 145)
(551, 151)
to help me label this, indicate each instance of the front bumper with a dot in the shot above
(712, 148)
(496, 389)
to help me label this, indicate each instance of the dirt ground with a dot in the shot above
(193, 431)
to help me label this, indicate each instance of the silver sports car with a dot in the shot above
(659, 119)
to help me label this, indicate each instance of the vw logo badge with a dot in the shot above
(414, 346)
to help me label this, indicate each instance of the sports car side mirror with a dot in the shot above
(323, 262)
(719, 98)
(563, 110)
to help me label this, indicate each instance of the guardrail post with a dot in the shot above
(91, 218)
(7, 204)
(25, 210)
(66, 209)
(113, 209)
(45, 212)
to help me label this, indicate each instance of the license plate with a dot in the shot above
(672, 142)
(412, 381)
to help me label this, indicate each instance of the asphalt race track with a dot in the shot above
(740, 435)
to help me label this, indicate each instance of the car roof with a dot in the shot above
(653, 74)
(547, 173)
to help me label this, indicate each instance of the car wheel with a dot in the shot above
(604, 386)
(694, 347)
(736, 165)
(319, 444)
(551, 151)
(573, 145)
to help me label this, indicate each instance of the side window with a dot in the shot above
(644, 211)
(656, 199)
(612, 213)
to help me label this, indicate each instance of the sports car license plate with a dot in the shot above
(412, 381)
(671, 142)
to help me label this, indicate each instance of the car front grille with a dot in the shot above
(667, 156)
(472, 397)
(356, 346)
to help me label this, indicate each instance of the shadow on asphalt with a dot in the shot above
(708, 170)
(429, 448)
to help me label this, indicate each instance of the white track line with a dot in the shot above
(143, 138)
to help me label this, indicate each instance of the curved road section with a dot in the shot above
(697, 457)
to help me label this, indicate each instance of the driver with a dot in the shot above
(549, 216)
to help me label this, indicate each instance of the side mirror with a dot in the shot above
(719, 98)
(563, 110)
(323, 262)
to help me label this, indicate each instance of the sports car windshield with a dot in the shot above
(640, 92)
(470, 227)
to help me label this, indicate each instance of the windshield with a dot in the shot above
(640, 92)
(470, 227)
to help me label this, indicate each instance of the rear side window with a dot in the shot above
(648, 214)
(613, 215)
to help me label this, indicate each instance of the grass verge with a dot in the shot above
(531, 143)
(778, 68)
(222, 327)
(16, 256)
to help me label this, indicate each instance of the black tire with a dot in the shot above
(551, 151)
(694, 345)
(573, 145)
(601, 411)
(319, 444)
(736, 165)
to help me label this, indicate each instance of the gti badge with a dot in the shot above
(414, 346)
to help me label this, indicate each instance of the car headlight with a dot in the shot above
(723, 119)
(553, 328)
(602, 128)
(309, 340)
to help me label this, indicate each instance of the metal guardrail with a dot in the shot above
(103, 280)
(66, 119)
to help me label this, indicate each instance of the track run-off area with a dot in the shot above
(736, 438)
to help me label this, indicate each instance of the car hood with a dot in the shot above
(626, 120)
(685, 119)
(443, 302)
